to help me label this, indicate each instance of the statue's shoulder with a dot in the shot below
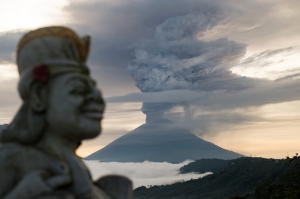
(22, 159)
(9, 154)
(15, 150)
(9, 150)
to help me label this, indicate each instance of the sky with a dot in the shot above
(227, 70)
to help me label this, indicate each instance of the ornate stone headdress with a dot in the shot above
(59, 48)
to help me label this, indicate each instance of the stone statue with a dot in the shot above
(61, 107)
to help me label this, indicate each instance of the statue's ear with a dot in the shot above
(38, 97)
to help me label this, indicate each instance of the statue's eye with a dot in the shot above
(79, 90)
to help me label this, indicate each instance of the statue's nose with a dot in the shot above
(95, 96)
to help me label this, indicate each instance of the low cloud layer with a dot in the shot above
(143, 174)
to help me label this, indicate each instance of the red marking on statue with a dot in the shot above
(41, 73)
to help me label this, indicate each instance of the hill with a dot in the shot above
(2, 126)
(204, 165)
(254, 177)
(160, 141)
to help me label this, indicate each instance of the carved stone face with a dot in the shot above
(75, 107)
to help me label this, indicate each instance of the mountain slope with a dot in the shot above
(255, 177)
(158, 142)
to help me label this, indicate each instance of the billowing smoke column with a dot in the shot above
(155, 111)
(177, 59)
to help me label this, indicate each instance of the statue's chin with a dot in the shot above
(90, 134)
(89, 128)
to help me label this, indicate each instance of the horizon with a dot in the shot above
(227, 71)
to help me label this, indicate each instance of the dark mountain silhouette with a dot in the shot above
(2, 126)
(158, 141)
(242, 178)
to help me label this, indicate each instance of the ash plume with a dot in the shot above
(177, 58)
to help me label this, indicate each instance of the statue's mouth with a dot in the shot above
(93, 115)
(93, 111)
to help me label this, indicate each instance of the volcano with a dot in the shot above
(160, 141)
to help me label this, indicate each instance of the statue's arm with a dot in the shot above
(7, 181)
(31, 186)
(34, 185)
(115, 186)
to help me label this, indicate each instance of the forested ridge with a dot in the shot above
(242, 178)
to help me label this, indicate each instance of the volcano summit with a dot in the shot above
(160, 140)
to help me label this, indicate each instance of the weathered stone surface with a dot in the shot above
(116, 186)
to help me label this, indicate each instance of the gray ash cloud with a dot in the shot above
(176, 58)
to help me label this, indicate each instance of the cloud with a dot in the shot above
(8, 45)
(178, 58)
(196, 72)
(143, 174)
(175, 58)
(8, 75)
(208, 112)
(176, 34)
(210, 123)
(276, 64)
(9, 101)
(118, 27)
(260, 58)
(186, 50)
(267, 93)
